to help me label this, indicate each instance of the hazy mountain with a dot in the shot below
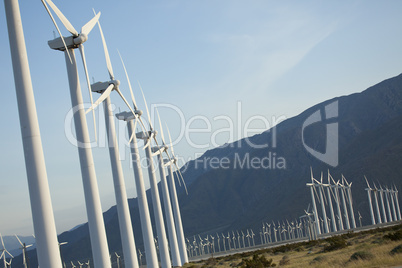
(235, 196)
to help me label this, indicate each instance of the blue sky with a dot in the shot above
(275, 58)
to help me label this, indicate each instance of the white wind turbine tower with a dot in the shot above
(377, 207)
(388, 204)
(24, 251)
(146, 225)
(118, 260)
(156, 202)
(384, 213)
(338, 203)
(224, 244)
(349, 196)
(345, 208)
(97, 231)
(39, 194)
(175, 202)
(252, 237)
(324, 212)
(360, 218)
(312, 189)
(368, 189)
(391, 196)
(123, 212)
(331, 208)
(248, 238)
(398, 210)
(174, 247)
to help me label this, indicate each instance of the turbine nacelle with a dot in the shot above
(100, 87)
(128, 116)
(159, 149)
(146, 135)
(57, 44)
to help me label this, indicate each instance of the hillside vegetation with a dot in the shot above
(374, 248)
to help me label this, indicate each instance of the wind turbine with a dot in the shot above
(87, 263)
(345, 208)
(310, 226)
(146, 225)
(384, 213)
(175, 201)
(4, 251)
(118, 259)
(397, 202)
(73, 265)
(123, 212)
(244, 245)
(248, 238)
(252, 237)
(228, 238)
(312, 189)
(174, 247)
(9, 263)
(360, 218)
(338, 203)
(349, 196)
(160, 225)
(39, 193)
(219, 245)
(97, 231)
(391, 195)
(80, 264)
(368, 189)
(140, 256)
(331, 209)
(324, 213)
(24, 251)
(375, 190)
(223, 240)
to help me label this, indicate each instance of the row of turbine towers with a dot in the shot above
(343, 217)
(388, 204)
(48, 251)
(340, 191)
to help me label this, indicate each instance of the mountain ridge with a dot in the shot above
(370, 124)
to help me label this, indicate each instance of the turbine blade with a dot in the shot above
(178, 178)
(315, 191)
(2, 242)
(160, 125)
(62, 18)
(146, 106)
(148, 141)
(87, 28)
(124, 99)
(107, 57)
(82, 51)
(182, 179)
(8, 253)
(58, 30)
(129, 83)
(104, 95)
(311, 172)
(19, 240)
(170, 140)
(367, 182)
